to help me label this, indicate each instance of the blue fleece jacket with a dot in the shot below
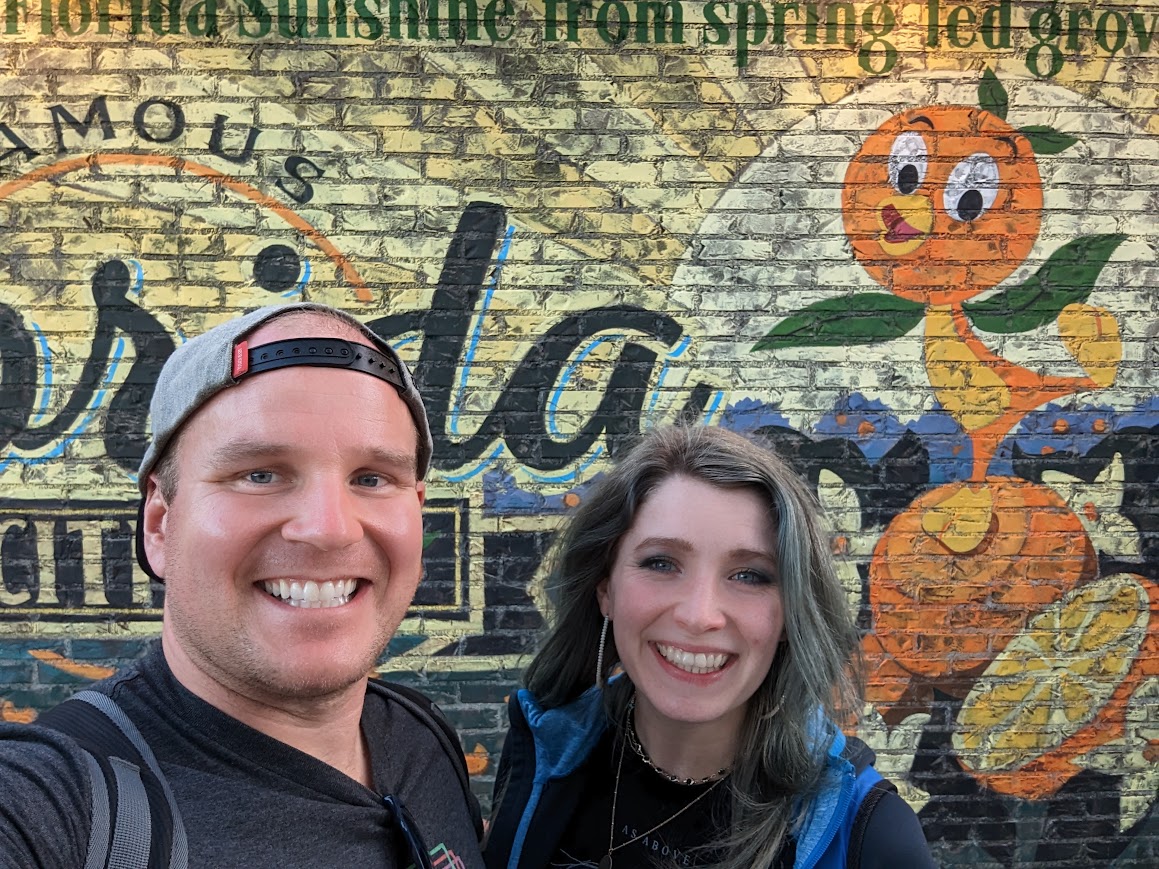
(562, 739)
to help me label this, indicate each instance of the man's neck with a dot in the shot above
(327, 728)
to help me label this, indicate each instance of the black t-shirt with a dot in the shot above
(644, 800)
(246, 799)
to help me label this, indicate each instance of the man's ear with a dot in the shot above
(421, 488)
(155, 519)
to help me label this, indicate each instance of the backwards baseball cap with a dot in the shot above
(220, 358)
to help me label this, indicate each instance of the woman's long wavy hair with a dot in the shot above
(781, 753)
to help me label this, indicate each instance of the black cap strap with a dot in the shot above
(324, 352)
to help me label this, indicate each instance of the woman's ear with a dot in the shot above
(604, 596)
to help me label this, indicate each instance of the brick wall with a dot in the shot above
(913, 244)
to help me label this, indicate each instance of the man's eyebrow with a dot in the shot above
(392, 458)
(240, 452)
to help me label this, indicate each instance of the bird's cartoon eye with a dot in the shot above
(908, 158)
(277, 268)
(971, 187)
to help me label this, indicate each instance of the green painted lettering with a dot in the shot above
(959, 15)
(495, 10)
(1074, 20)
(1111, 42)
(832, 13)
(749, 31)
(622, 22)
(877, 44)
(663, 15)
(995, 26)
(259, 13)
(717, 32)
(1144, 36)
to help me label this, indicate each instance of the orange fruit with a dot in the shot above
(942, 203)
(1061, 687)
(941, 611)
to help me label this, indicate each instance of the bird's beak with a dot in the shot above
(905, 223)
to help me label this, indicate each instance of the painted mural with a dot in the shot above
(911, 244)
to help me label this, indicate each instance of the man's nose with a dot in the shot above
(698, 607)
(325, 515)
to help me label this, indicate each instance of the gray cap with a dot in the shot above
(204, 366)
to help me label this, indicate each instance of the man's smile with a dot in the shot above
(309, 594)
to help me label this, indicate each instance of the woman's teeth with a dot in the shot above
(696, 663)
(310, 594)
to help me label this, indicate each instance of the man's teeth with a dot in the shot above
(696, 663)
(310, 594)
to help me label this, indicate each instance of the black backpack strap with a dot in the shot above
(861, 821)
(135, 820)
(862, 756)
(425, 710)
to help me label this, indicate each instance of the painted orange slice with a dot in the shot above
(1061, 687)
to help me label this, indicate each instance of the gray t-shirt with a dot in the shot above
(246, 799)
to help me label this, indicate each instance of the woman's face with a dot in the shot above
(695, 602)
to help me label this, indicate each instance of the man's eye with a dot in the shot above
(370, 481)
(260, 477)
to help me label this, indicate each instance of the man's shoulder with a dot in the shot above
(34, 746)
(411, 720)
(426, 744)
(45, 798)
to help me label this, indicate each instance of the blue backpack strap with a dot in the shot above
(135, 820)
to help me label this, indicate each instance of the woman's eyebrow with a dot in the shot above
(669, 542)
(740, 553)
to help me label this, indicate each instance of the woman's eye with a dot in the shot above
(752, 577)
(662, 565)
(260, 477)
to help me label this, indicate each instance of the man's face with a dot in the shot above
(292, 546)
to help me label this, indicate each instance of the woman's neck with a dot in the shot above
(687, 750)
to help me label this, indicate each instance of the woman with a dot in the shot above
(699, 568)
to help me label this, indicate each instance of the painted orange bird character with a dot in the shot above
(941, 204)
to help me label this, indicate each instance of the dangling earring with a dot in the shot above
(600, 656)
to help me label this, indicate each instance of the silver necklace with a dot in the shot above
(606, 861)
(634, 741)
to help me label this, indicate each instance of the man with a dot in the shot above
(281, 504)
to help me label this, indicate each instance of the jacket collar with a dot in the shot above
(566, 735)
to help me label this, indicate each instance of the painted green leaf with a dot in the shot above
(430, 537)
(864, 318)
(1066, 278)
(992, 96)
(1047, 140)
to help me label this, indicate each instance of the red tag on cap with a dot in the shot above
(241, 358)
